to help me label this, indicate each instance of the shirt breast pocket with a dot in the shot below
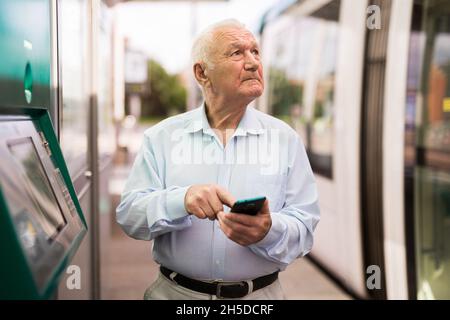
(272, 186)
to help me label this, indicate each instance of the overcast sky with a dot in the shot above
(164, 30)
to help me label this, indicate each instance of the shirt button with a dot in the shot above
(217, 262)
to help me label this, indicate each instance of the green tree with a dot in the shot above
(283, 92)
(167, 94)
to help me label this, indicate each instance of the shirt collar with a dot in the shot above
(249, 123)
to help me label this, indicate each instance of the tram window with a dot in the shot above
(302, 81)
(427, 146)
(48, 212)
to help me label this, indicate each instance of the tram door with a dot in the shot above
(428, 140)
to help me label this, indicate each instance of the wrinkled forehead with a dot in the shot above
(233, 37)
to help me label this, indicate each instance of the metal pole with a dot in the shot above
(93, 150)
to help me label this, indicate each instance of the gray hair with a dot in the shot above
(203, 43)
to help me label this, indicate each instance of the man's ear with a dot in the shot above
(200, 73)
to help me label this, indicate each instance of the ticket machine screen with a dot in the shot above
(48, 213)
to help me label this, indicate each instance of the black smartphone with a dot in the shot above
(248, 206)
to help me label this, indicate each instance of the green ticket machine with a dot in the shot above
(41, 222)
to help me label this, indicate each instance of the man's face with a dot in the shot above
(237, 71)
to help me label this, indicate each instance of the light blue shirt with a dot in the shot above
(264, 157)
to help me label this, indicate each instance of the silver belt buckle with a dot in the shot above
(224, 284)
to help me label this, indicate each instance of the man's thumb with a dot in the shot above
(265, 208)
(225, 197)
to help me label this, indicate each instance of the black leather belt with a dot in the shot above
(221, 289)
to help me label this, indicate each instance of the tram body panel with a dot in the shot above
(340, 213)
(347, 126)
(393, 150)
(410, 72)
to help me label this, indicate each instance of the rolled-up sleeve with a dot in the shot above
(148, 209)
(292, 230)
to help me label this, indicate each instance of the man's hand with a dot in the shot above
(206, 200)
(246, 229)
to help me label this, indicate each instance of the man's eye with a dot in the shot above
(256, 51)
(235, 53)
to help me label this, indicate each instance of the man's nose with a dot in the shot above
(251, 62)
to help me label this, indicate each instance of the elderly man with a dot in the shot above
(194, 166)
